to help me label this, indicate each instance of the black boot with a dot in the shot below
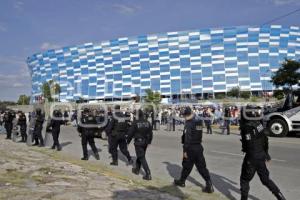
(208, 188)
(97, 156)
(280, 196)
(53, 146)
(114, 162)
(147, 176)
(136, 170)
(179, 183)
(130, 162)
(84, 158)
(36, 144)
(244, 197)
(58, 148)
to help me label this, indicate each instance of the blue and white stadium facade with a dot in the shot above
(197, 62)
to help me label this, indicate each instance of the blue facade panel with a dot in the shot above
(197, 61)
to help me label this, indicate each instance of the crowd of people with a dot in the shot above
(124, 125)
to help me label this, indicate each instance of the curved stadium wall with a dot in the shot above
(197, 62)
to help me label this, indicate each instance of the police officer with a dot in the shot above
(255, 145)
(38, 128)
(8, 118)
(193, 151)
(87, 128)
(22, 122)
(227, 116)
(117, 130)
(55, 123)
(141, 131)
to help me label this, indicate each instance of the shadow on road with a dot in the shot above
(221, 183)
(150, 192)
(64, 144)
(90, 152)
(175, 171)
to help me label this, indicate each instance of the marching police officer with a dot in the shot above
(22, 122)
(87, 128)
(193, 151)
(38, 128)
(117, 130)
(255, 145)
(8, 118)
(55, 123)
(141, 131)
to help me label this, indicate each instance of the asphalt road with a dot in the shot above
(223, 156)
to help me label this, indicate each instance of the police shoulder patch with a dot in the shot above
(248, 137)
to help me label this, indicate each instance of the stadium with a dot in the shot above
(199, 63)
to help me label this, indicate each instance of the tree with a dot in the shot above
(46, 91)
(245, 94)
(234, 92)
(278, 94)
(49, 89)
(55, 88)
(152, 98)
(219, 95)
(23, 100)
(287, 75)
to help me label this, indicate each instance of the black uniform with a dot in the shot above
(87, 128)
(55, 124)
(227, 116)
(192, 147)
(38, 128)
(22, 122)
(117, 130)
(255, 145)
(8, 118)
(141, 131)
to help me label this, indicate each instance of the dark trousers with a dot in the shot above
(55, 135)
(140, 151)
(109, 141)
(121, 143)
(8, 128)
(226, 126)
(194, 157)
(38, 137)
(85, 139)
(23, 132)
(249, 168)
(209, 130)
(154, 124)
(173, 124)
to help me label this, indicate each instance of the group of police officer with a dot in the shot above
(121, 131)
(11, 120)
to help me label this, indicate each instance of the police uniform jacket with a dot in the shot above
(192, 134)
(254, 141)
(141, 131)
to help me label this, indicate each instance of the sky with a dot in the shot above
(32, 26)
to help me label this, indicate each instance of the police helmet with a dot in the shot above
(187, 111)
(117, 107)
(253, 111)
(38, 111)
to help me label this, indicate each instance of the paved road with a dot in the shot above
(224, 159)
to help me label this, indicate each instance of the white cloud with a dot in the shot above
(18, 5)
(3, 28)
(48, 45)
(14, 77)
(126, 9)
(285, 2)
